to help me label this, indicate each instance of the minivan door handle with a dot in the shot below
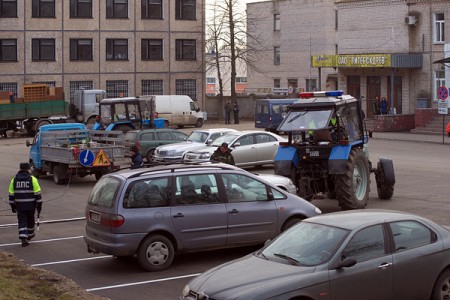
(179, 215)
(234, 211)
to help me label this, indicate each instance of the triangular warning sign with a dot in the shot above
(101, 160)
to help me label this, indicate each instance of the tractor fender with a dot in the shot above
(388, 167)
(286, 157)
(338, 159)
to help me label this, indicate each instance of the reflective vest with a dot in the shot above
(24, 191)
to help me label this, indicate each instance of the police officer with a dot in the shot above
(24, 198)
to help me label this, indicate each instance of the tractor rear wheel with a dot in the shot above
(352, 188)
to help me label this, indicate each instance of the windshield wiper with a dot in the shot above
(297, 116)
(291, 260)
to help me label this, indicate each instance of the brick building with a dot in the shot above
(366, 48)
(126, 47)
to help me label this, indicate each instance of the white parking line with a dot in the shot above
(47, 222)
(141, 282)
(70, 261)
(44, 241)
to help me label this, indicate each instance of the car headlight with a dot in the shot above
(185, 291)
(205, 155)
(317, 210)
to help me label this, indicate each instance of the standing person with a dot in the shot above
(236, 112)
(376, 106)
(136, 158)
(24, 198)
(11, 97)
(228, 112)
(223, 154)
(383, 106)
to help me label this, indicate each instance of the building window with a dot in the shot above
(81, 8)
(439, 25)
(8, 50)
(276, 55)
(186, 87)
(311, 85)
(276, 22)
(80, 49)
(116, 49)
(292, 85)
(79, 85)
(185, 49)
(43, 49)
(151, 49)
(241, 79)
(185, 9)
(10, 87)
(152, 87)
(151, 9)
(211, 80)
(439, 79)
(277, 82)
(116, 88)
(8, 8)
(117, 8)
(43, 9)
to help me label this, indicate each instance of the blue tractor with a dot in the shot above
(327, 155)
(128, 113)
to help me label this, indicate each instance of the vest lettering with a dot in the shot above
(22, 184)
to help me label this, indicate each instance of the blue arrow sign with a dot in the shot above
(86, 157)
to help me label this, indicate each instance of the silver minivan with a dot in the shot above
(154, 212)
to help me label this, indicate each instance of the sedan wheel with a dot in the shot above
(155, 253)
(441, 290)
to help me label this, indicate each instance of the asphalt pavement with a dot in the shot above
(397, 135)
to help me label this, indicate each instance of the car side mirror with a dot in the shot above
(28, 143)
(209, 141)
(237, 144)
(346, 263)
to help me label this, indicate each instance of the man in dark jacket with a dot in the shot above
(223, 154)
(136, 158)
(24, 198)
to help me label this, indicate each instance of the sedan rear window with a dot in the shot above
(103, 193)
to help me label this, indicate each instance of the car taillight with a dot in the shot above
(75, 152)
(343, 142)
(284, 144)
(112, 220)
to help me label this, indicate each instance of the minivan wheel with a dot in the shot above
(155, 253)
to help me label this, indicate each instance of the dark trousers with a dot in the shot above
(236, 118)
(227, 117)
(26, 223)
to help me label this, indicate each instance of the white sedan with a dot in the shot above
(249, 148)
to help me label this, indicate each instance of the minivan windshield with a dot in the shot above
(103, 193)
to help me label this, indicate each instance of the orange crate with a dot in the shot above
(35, 92)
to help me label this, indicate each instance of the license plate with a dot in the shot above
(94, 217)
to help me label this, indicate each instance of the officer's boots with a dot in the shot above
(24, 242)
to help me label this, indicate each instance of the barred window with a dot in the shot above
(152, 87)
(116, 49)
(43, 9)
(151, 9)
(185, 49)
(79, 85)
(81, 8)
(117, 8)
(9, 86)
(8, 8)
(116, 88)
(43, 49)
(186, 87)
(80, 49)
(185, 9)
(152, 49)
(8, 50)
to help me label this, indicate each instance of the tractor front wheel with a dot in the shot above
(352, 188)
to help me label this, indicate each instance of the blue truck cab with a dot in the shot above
(269, 113)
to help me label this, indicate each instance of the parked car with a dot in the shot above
(154, 212)
(370, 254)
(197, 139)
(270, 112)
(282, 182)
(148, 139)
(249, 148)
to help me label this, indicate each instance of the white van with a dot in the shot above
(177, 110)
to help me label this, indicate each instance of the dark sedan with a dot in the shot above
(369, 254)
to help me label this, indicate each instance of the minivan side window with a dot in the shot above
(103, 193)
(241, 188)
(196, 189)
(147, 193)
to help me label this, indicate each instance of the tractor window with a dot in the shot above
(120, 113)
(305, 120)
(106, 114)
(348, 118)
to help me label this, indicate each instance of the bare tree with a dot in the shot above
(227, 33)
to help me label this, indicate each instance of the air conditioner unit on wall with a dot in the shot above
(410, 20)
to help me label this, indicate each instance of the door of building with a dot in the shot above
(354, 86)
(373, 91)
(397, 103)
